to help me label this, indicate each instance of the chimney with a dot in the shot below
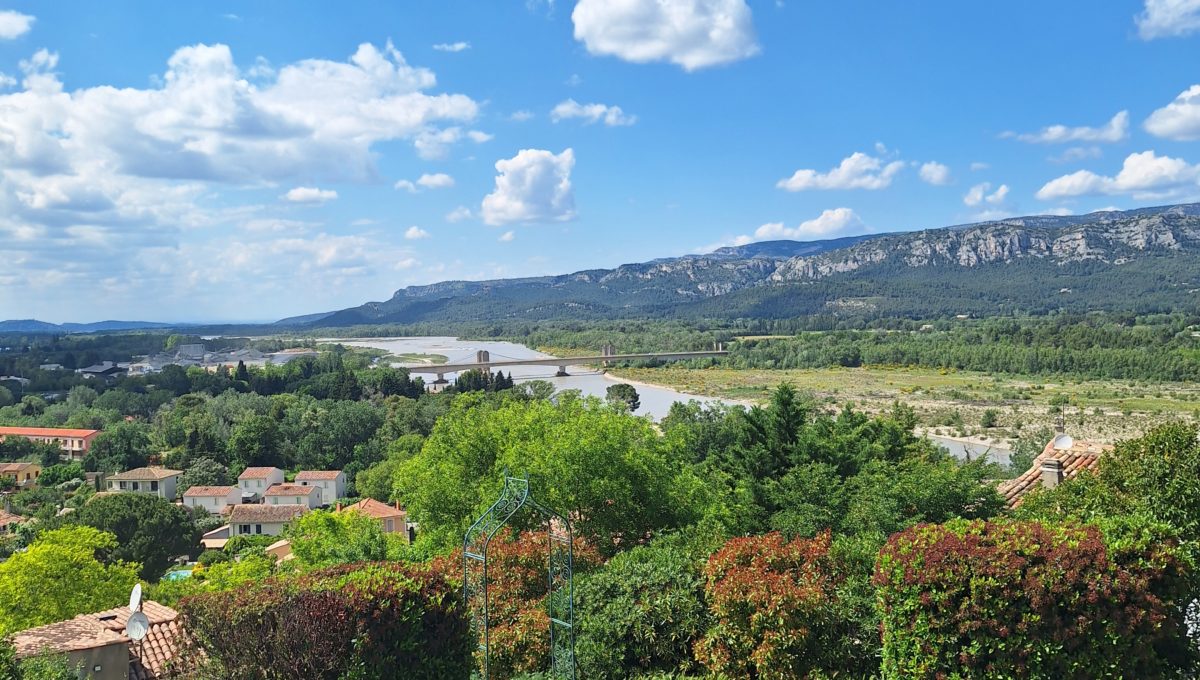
(1052, 473)
(339, 507)
(398, 507)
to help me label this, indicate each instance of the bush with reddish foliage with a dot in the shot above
(1027, 600)
(519, 626)
(369, 620)
(775, 609)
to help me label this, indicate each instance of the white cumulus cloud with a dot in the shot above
(693, 34)
(414, 233)
(591, 113)
(310, 195)
(835, 222)
(14, 24)
(1115, 130)
(439, 180)
(1168, 18)
(452, 47)
(935, 173)
(507, 236)
(979, 194)
(459, 214)
(1144, 175)
(1179, 120)
(857, 171)
(533, 186)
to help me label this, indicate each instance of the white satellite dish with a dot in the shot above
(137, 626)
(135, 598)
(1063, 442)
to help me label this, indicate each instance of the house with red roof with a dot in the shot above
(1051, 467)
(331, 482)
(73, 442)
(215, 499)
(254, 481)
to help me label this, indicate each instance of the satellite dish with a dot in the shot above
(135, 598)
(1063, 442)
(137, 626)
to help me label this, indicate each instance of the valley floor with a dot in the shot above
(953, 403)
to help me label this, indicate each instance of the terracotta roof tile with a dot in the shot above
(292, 490)
(13, 468)
(206, 491)
(257, 472)
(145, 474)
(317, 475)
(8, 519)
(46, 432)
(1083, 455)
(266, 514)
(79, 633)
(373, 508)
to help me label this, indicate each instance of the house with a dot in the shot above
(281, 550)
(74, 443)
(51, 367)
(1051, 467)
(23, 474)
(215, 499)
(393, 519)
(217, 538)
(262, 520)
(98, 645)
(293, 494)
(9, 521)
(157, 481)
(331, 482)
(106, 369)
(254, 481)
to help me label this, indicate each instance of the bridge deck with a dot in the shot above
(564, 361)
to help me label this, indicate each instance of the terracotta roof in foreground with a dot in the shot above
(73, 635)
(1083, 455)
(266, 514)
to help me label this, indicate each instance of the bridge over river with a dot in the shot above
(484, 362)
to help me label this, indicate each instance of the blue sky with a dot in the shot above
(251, 161)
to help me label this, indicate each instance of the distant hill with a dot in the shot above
(1143, 261)
(35, 326)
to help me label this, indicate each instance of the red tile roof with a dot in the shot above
(373, 508)
(207, 491)
(8, 519)
(1083, 455)
(292, 490)
(47, 432)
(13, 468)
(317, 475)
(257, 472)
(144, 474)
(72, 635)
(266, 514)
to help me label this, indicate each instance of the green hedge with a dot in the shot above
(370, 620)
(1027, 600)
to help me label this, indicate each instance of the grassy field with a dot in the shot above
(954, 402)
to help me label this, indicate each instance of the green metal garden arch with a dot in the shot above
(560, 598)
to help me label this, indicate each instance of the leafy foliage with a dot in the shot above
(354, 621)
(61, 575)
(1024, 599)
(149, 530)
(322, 539)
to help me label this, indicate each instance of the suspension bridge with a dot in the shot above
(485, 362)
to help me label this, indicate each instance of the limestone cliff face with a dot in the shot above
(1106, 240)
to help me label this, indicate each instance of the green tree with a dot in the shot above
(149, 530)
(323, 539)
(255, 442)
(242, 373)
(203, 472)
(60, 576)
(122, 447)
(625, 395)
(57, 474)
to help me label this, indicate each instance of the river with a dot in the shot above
(655, 400)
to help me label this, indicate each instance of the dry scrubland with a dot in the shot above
(954, 402)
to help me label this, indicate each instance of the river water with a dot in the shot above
(655, 401)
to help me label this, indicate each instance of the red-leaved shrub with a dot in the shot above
(774, 608)
(1027, 600)
(367, 620)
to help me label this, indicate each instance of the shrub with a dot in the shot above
(352, 621)
(1023, 599)
(775, 609)
(641, 612)
(519, 627)
(211, 557)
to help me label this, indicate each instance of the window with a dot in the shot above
(124, 486)
(391, 525)
(258, 483)
(135, 486)
(258, 528)
(243, 528)
(154, 486)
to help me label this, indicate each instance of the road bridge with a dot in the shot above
(483, 361)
